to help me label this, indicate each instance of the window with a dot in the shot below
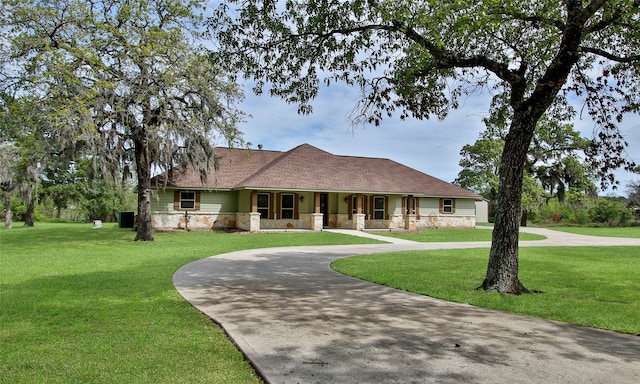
(447, 205)
(263, 205)
(287, 203)
(410, 205)
(354, 205)
(186, 200)
(378, 208)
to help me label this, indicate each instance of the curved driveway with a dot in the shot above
(298, 321)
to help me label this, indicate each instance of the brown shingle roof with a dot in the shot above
(308, 168)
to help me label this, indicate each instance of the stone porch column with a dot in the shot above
(248, 221)
(358, 221)
(254, 219)
(317, 221)
(410, 222)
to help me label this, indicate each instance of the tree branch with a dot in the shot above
(447, 59)
(604, 23)
(533, 19)
(591, 9)
(611, 56)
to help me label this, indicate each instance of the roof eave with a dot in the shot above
(187, 188)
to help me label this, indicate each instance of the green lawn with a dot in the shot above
(630, 232)
(595, 287)
(449, 235)
(83, 305)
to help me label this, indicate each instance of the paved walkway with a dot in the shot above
(298, 321)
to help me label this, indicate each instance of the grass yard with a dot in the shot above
(630, 232)
(83, 305)
(595, 287)
(449, 235)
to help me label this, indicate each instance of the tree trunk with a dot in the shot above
(144, 231)
(6, 202)
(523, 219)
(502, 271)
(493, 198)
(29, 220)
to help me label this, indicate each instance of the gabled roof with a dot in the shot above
(308, 168)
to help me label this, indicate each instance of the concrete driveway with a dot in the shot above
(298, 321)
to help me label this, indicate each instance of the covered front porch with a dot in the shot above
(318, 210)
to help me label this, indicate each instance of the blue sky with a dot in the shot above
(430, 146)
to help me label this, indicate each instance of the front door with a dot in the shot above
(324, 209)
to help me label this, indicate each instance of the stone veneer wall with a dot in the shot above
(311, 221)
(339, 220)
(440, 221)
(446, 221)
(167, 221)
(248, 221)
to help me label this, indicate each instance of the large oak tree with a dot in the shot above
(422, 57)
(130, 83)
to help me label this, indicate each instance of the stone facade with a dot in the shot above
(196, 221)
(446, 222)
(248, 221)
(199, 221)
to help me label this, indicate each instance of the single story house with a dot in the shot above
(308, 188)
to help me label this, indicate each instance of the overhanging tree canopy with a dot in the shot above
(421, 57)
